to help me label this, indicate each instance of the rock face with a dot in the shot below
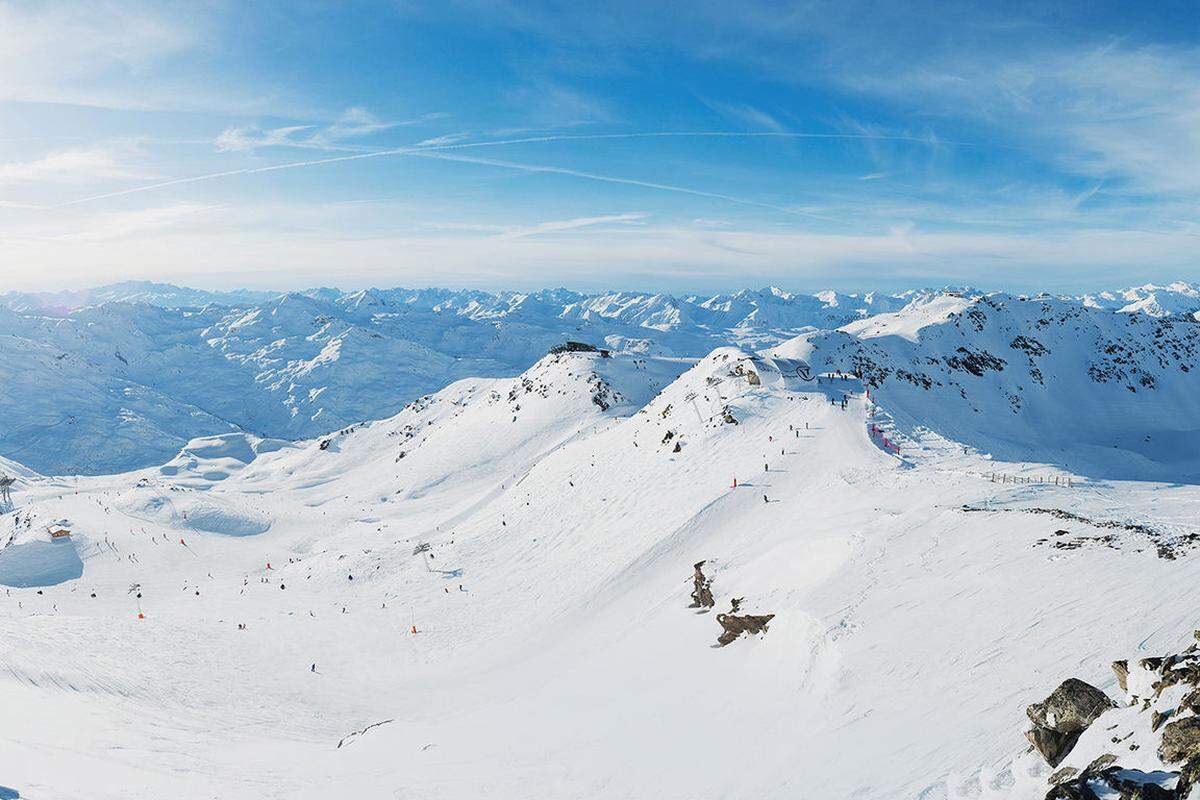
(1181, 740)
(1064, 715)
(1147, 749)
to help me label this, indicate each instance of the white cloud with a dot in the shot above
(70, 167)
(1126, 114)
(353, 123)
(118, 225)
(747, 115)
(57, 52)
(250, 137)
(557, 226)
(282, 247)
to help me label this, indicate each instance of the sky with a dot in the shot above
(629, 144)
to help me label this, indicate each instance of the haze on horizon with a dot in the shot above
(677, 147)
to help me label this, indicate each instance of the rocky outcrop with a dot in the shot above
(1146, 749)
(1181, 740)
(1064, 715)
(702, 596)
(735, 626)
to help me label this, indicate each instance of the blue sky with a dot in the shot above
(620, 145)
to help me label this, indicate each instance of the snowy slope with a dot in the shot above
(918, 605)
(1103, 393)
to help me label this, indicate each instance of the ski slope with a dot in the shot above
(918, 606)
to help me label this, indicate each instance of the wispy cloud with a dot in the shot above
(75, 166)
(448, 138)
(354, 123)
(436, 148)
(251, 137)
(114, 225)
(1114, 112)
(746, 115)
(557, 226)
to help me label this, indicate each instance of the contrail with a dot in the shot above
(666, 187)
(418, 150)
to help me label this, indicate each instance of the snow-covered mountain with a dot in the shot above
(125, 381)
(1104, 393)
(120, 385)
(1178, 298)
(257, 617)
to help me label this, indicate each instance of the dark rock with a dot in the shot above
(1181, 740)
(1063, 775)
(1052, 745)
(1191, 701)
(1112, 782)
(1073, 706)
(1189, 777)
(1100, 763)
(574, 347)
(1063, 716)
(702, 596)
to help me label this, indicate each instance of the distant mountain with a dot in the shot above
(1107, 393)
(122, 376)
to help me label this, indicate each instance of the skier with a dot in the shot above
(313, 668)
(765, 500)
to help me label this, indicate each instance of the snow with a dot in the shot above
(908, 322)
(40, 563)
(123, 376)
(919, 604)
(909, 633)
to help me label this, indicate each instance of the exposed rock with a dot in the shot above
(1073, 706)
(1101, 762)
(1189, 777)
(1121, 670)
(702, 596)
(1063, 775)
(1112, 782)
(1181, 740)
(1172, 718)
(735, 626)
(1063, 716)
(1052, 745)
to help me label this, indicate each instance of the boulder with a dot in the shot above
(1063, 716)
(1073, 706)
(1052, 745)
